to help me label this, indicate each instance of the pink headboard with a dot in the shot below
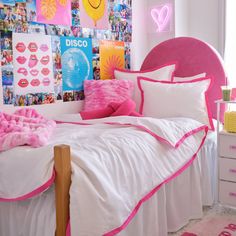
(193, 57)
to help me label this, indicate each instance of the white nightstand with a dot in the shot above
(226, 162)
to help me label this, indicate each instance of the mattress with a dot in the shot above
(173, 208)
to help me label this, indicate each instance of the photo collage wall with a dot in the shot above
(49, 47)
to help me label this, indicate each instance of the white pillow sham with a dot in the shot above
(164, 99)
(164, 72)
(189, 78)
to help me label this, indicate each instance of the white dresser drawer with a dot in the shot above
(227, 169)
(227, 193)
(227, 145)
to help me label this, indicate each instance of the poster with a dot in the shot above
(7, 67)
(120, 20)
(9, 2)
(57, 68)
(31, 10)
(75, 12)
(32, 58)
(112, 55)
(94, 14)
(56, 12)
(76, 60)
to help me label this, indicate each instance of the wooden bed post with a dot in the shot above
(62, 162)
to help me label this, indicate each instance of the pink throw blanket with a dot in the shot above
(24, 127)
(126, 108)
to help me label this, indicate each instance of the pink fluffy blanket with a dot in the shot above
(24, 127)
(126, 108)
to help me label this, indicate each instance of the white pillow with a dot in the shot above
(164, 72)
(163, 99)
(189, 78)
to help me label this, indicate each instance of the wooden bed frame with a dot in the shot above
(62, 163)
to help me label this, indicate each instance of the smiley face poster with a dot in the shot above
(94, 14)
(33, 65)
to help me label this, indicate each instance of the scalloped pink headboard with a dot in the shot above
(193, 57)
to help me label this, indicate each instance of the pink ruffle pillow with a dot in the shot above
(99, 93)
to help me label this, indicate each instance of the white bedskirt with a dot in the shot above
(167, 211)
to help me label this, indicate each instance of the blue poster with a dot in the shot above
(76, 62)
(9, 2)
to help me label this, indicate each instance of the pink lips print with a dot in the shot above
(44, 47)
(33, 47)
(21, 59)
(35, 82)
(45, 71)
(23, 71)
(20, 47)
(46, 81)
(23, 83)
(33, 61)
(44, 60)
(34, 72)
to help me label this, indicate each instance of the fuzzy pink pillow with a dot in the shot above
(99, 93)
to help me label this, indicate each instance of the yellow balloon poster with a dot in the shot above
(112, 55)
(94, 14)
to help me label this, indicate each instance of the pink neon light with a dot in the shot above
(161, 17)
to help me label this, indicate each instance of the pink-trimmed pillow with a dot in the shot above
(163, 99)
(189, 78)
(99, 93)
(164, 72)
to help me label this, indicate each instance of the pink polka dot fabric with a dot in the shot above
(99, 93)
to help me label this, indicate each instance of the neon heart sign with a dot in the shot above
(161, 16)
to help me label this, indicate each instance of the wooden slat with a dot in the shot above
(62, 164)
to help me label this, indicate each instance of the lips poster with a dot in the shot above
(33, 65)
(76, 62)
(94, 14)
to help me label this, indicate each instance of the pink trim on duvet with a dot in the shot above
(176, 145)
(194, 131)
(179, 82)
(71, 122)
(35, 192)
(152, 192)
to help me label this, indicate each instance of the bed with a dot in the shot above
(166, 210)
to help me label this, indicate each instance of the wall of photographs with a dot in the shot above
(47, 52)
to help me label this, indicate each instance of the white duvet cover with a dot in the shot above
(116, 167)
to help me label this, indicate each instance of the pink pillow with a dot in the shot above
(126, 108)
(99, 93)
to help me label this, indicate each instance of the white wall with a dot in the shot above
(139, 45)
(200, 19)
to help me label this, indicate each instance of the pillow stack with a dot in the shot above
(156, 93)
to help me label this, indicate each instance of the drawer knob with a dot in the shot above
(232, 194)
(232, 171)
(232, 147)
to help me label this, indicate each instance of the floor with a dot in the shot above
(216, 209)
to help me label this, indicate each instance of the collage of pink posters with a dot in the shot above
(54, 12)
(94, 14)
(33, 65)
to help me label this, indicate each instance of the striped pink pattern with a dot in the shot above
(99, 93)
